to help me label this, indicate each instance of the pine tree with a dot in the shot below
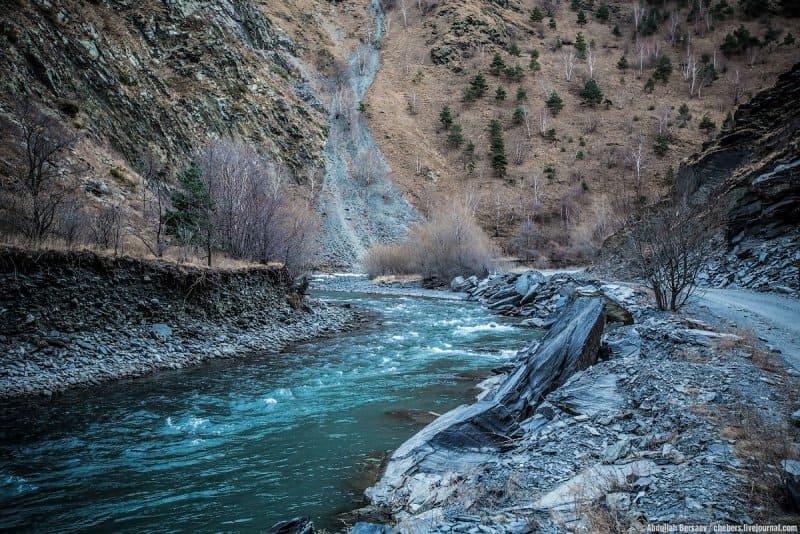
(581, 18)
(591, 93)
(661, 145)
(536, 15)
(446, 117)
(552, 24)
(189, 220)
(554, 103)
(479, 85)
(580, 46)
(514, 50)
(684, 115)
(497, 151)
(519, 115)
(456, 137)
(663, 69)
(706, 124)
(500, 94)
(522, 94)
(603, 12)
(623, 64)
(498, 65)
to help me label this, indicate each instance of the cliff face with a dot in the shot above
(754, 168)
(753, 172)
(165, 75)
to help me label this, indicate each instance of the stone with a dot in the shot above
(97, 187)
(525, 281)
(369, 528)
(298, 525)
(796, 417)
(618, 450)
(160, 331)
(457, 283)
(618, 501)
(791, 476)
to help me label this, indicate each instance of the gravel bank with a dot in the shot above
(71, 320)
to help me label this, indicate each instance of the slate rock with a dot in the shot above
(791, 474)
(298, 525)
(369, 528)
(618, 450)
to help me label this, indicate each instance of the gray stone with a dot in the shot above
(457, 283)
(618, 501)
(97, 187)
(298, 525)
(796, 417)
(369, 528)
(525, 281)
(160, 331)
(791, 475)
(618, 450)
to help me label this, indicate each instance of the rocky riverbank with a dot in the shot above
(78, 319)
(678, 421)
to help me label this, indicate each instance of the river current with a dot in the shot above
(238, 444)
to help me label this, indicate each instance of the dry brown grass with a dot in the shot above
(746, 340)
(761, 443)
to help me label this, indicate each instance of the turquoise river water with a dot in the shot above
(237, 445)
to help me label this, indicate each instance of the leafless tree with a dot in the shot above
(155, 202)
(635, 155)
(639, 12)
(361, 58)
(37, 169)
(642, 51)
(591, 60)
(544, 120)
(107, 228)
(674, 27)
(521, 149)
(526, 117)
(404, 11)
(668, 248)
(412, 102)
(736, 84)
(568, 59)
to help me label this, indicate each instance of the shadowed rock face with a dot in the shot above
(468, 435)
(754, 168)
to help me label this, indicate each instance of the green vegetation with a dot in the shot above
(497, 148)
(706, 124)
(536, 15)
(602, 12)
(550, 171)
(514, 50)
(554, 103)
(519, 115)
(515, 73)
(649, 85)
(582, 18)
(552, 24)
(580, 46)
(623, 64)
(684, 116)
(456, 137)
(663, 69)
(446, 117)
(661, 145)
(616, 32)
(591, 93)
(737, 42)
(498, 65)
(754, 8)
(788, 40)
(500, 93)
(579, 154)
(190, 217)
(721, 10)
(522, 94)
(476, 89)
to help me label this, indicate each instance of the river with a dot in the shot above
(238, 444)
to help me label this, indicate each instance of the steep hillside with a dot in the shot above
(571, 176)
(753, 173)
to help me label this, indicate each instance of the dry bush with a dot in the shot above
(450, 244)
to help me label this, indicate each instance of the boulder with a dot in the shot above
(369, 528)
(457, 283)
(526, 281)
(618, 450)
(298, 525)
(791, 475)
(796, 417)
(468, 435)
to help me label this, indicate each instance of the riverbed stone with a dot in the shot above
(298, 525)
(791, 474)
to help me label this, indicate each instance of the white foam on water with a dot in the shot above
(399, 338)
(270, 400)
(490, 327)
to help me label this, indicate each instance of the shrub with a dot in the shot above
(603, 12)
(737, 42)
(623, 64)
(514, 50)
(616, 32)
(706, 124)
(580, 46)
(450, 244)
(579, 154)
(500, 93)
(519, 115)
(661, 145)
(684, 115)
(522, 94)
(581, 18)
(515, 73)
(649, 85)
(552, 24)
(536, 15)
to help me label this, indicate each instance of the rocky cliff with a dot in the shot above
(165, 75)
(752, 172)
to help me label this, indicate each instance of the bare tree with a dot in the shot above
(635, 155)
(155, 202)
(107, 228)
(368, 166)
(736, 84)
(639, 12)
(37, 169)
(642, 51)
(568, 58)
(674, 26)
(544, 120)
(404, 11)
(591, 61)
(668, 248)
